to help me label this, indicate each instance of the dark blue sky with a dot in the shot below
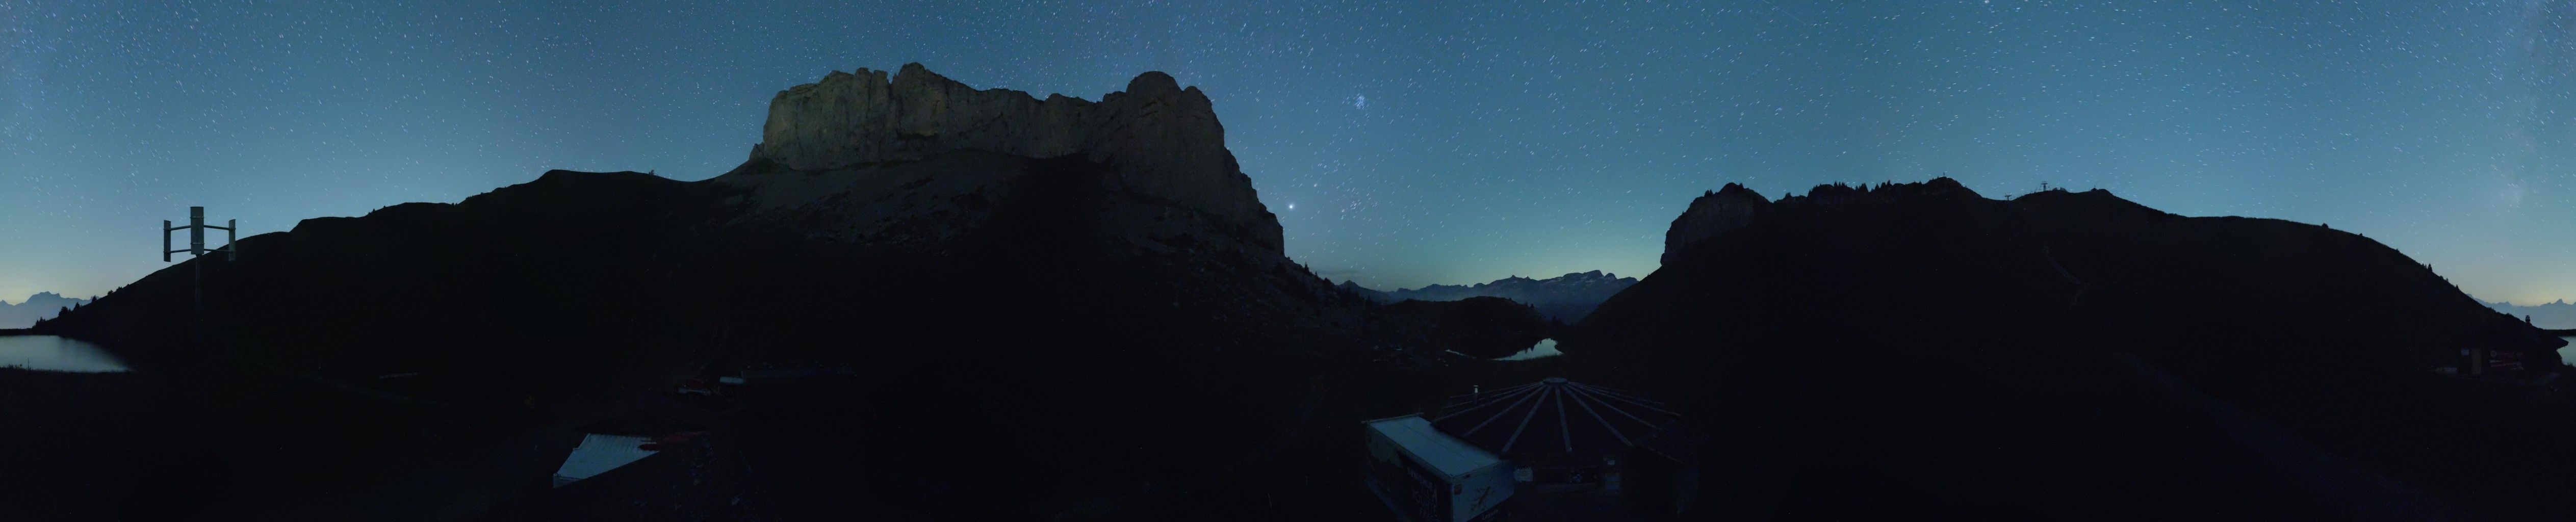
(1401, 143)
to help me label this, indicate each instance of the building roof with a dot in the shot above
(1433, 449)
(600, 453)
(1554, 416)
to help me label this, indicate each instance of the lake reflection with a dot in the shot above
(51, 353)
(1544, 348)
(2568, 353)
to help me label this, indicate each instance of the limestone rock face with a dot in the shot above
(1734, 206)
(1713, 212)
(1163, 140)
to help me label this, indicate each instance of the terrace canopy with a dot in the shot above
(1553, 416)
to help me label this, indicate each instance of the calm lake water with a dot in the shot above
(1544, 348)
(50, 353)
(2569, 353)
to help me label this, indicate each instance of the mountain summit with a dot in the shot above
(1733, 206)
(1018, 284)
(1715, 211)
(1161, 139)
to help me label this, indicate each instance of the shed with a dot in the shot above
(2508, 349)
(1426, 475)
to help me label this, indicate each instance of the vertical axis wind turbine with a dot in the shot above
(197, 249)
(197, 236)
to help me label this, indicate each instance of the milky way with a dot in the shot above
(1442, 142)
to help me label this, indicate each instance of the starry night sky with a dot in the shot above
(1401, 144)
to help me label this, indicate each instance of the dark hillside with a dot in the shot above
(1032, 338)
(1918, 350)
(1481, 327)
(503, 307)
(1035, 342)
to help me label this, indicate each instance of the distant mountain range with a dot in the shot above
(43, 305)
(1564, 298)
(2558, 314)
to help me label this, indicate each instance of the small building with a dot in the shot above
(1570, 437)
(2508, 350)
(1427, 476)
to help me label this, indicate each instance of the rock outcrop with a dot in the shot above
(1733, 206)
(1726, 208)
(1163, 140)
(1935, 188)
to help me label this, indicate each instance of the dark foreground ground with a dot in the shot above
(122, 446)
(96, 446)
(114, 447)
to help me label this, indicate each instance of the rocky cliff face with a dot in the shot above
(1728, 207)
(1162, 140)
(1733, 206)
